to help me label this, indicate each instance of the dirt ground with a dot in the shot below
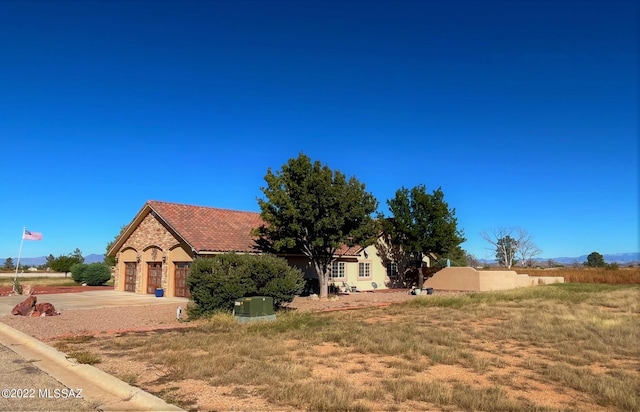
(144, 320)
(353, 300)
(358, 368)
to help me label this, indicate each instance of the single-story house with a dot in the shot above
(156, 249)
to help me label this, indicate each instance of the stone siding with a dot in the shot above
(149, 234)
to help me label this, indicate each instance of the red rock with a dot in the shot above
(25, 307)
(46, 309)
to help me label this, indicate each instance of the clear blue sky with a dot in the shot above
(524, 112)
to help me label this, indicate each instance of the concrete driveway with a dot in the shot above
(89, 300)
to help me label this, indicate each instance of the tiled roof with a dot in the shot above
(209, 229)
(349, 251)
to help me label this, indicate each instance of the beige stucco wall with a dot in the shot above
(152, 242)
(469, 279)
(459, 278)
(377, 270)
(302, 263)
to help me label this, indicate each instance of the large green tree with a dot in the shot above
(310, 209)
(421, 224)
(63, 263)
(48, 263)
(595, 260)
(8, 264)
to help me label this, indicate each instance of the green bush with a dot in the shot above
(216, 283)
(17, 286)
(97, 274)
(78, 272)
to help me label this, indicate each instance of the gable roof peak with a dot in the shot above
(162, 202)
(209, 229)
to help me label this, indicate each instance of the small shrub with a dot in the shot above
(613, 266)
(97, 274)
(274, 277)
(78, 272)
(86, 358)
(129, 378)
(17, 286)
(216, 283)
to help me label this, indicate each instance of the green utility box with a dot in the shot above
(254, 308)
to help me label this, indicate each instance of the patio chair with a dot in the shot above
(350, 288)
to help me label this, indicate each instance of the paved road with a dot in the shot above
(32, 389)
(36, 377)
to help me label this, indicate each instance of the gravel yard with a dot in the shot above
(144, 318)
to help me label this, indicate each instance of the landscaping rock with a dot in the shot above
(45, 309)
(28, 307)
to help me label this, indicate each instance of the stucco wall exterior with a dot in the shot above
(459, 278)
(378, 272)
(151, 242)
(469, 279)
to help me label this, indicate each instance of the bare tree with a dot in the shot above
(511, 244)
(527, 249)
(471, 260)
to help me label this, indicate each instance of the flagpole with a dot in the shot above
(15, 278)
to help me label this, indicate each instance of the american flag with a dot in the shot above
(28, 235)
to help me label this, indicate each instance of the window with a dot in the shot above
(364, 269)
(392, 270)
(337, 270)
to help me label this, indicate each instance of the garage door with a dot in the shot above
(182, 268)
(154, 276)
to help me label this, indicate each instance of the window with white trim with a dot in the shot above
(364, 269)
(337, 270)
(392, 270)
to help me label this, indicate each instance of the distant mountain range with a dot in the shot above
(624, 258)
(37, 261)
(620, 258)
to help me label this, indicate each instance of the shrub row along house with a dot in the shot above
(156, 249)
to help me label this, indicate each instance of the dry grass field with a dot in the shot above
(49, 281)
(562, 347)
(623, 275)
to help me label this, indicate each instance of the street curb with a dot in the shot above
(116, 394)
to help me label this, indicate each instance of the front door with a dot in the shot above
(130, 276)
(182, 268)
(154, 276)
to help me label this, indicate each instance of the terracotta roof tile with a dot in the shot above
(349, 251)
(209, 229)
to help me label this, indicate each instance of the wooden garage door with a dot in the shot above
(130, 276)
(154, 276)
(182, 268)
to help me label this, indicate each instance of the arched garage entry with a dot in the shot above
(180, 264)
